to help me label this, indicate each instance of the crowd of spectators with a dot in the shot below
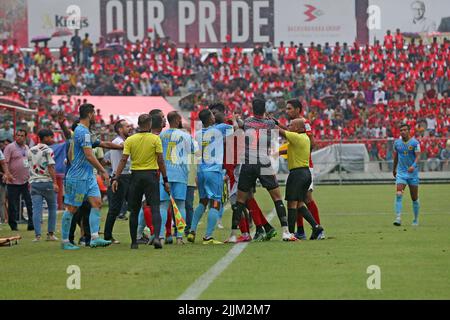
(350, 93)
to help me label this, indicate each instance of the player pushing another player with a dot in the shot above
(81, 182)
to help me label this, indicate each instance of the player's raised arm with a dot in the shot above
(110, 145)
(62, 123)
(282, 131)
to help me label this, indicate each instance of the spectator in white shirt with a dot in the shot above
(10, 74)
(43, 183)
(431, 123)
(380, 96)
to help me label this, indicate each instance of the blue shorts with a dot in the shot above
(407, 179)
(178, 191)
(210, 185)
(76, 191)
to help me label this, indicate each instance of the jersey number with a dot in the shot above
(171, 154)
(205, 151)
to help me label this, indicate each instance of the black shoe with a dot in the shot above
(157, 244)
(143, 240)
(14, 229)
(134, 246)
(122, 217)
(30, 228)
(316, 232)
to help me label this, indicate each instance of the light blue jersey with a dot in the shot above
(406, 158)
(177, 146)
(211, 142)
(406, 154)
(80, 167)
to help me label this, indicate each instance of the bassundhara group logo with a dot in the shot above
(312, 12)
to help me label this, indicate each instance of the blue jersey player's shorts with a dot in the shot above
(406, 178)
(210, 185)
(76, 191)
(178, 191)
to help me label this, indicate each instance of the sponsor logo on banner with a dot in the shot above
(45, 18)
(61, 21)
(312, 13)
(320, 21)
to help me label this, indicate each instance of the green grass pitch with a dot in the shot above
(414, 261)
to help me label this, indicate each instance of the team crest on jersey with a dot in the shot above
(410, 148)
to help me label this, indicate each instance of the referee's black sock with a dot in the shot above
(156, 220)
(238, 209)
(308, 216)
(133, 226)
(281, 212)
(292, 219)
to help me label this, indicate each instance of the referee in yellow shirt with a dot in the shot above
(299, 178)
(145, 150)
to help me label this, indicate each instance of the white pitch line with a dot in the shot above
(204, 281)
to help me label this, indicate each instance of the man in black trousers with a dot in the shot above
(145, 150)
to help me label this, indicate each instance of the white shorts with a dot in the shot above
(311, 187)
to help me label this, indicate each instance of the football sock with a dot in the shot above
(156, 219)
(213, 216)
(292, 217)
(256, 212)
(198, 214)
(238, 209)
(259, 229)
(281, 212)
(300, 229)
(267, 227)
(94, 222)
(243, 224)
(398, 205)
(308, 216)
(164, 207)
(134, 217)
(299, 221)
(148, 219)
(416, 209)
(312, 207)
(65, 225)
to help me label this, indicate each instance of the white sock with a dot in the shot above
(94, 235)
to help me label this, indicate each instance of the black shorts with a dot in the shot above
(297, 184)
(251, 172)
(145, 182)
